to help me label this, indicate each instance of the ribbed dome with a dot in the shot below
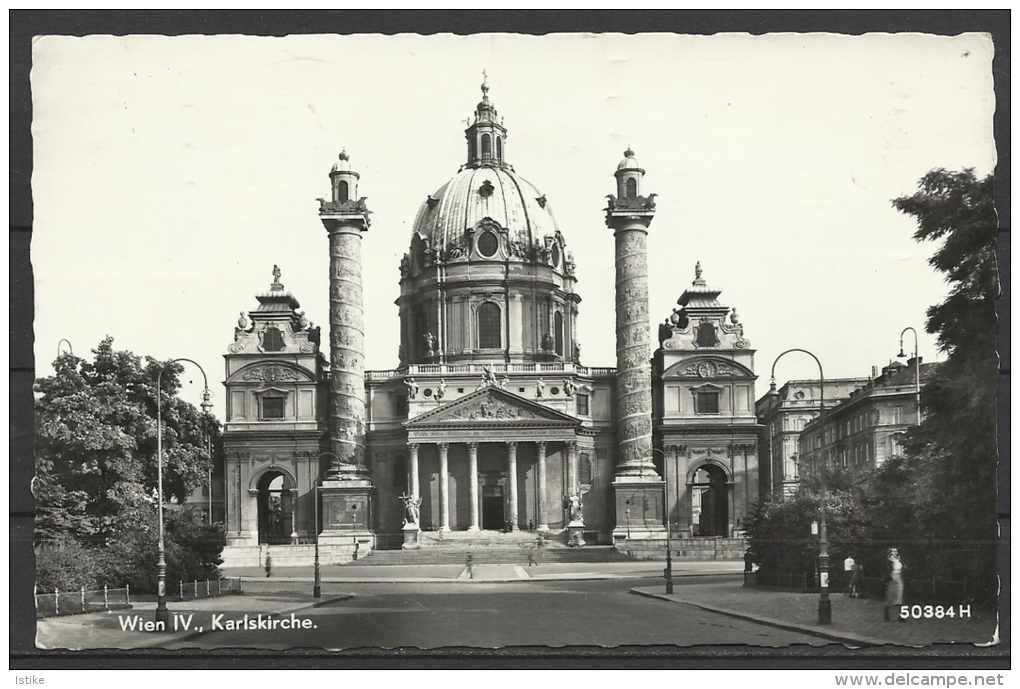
(629, 162)
(485, 192)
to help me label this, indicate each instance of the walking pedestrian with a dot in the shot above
(531, 557)
(848, 568)
(471, 571)
(856, 574)
(269, 565)
(893, 583)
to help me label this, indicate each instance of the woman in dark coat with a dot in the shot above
(893, 583)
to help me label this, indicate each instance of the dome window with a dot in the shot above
(555, 255)
(499, 148)
(342, 194)
(486, 147)
(631, 188)
(558, 321)
(489, 335)
(488, 244)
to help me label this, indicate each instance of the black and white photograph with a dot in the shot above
(489, 341)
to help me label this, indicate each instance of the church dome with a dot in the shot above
(629, 162)
(484, 193)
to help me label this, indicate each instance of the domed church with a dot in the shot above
(489, 428)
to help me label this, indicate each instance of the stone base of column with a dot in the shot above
(411, 533)
(575, 535)
(346, 510)
(639, 509)
(542, 527)
(473, 528)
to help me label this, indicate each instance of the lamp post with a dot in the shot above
(668, 573)
(70, 350)
(824, 604)
(917, 370)
(162, 614)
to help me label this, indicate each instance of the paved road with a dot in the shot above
(488, 615)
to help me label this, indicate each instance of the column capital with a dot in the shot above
(511, 445)
(540, 444)
(572, 445)
(443, 446)
(472, 446)
(413, 447)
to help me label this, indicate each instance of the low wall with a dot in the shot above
(685, 548)
(293, 555)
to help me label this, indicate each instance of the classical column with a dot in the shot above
(412, 448)
(345, 219)
(572, 484)
(511, 479)
(444, 487)
(473, 483)
(629, 215)
(543, 525)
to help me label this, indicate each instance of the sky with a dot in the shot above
(172, 173)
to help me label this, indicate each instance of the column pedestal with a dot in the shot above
(639, 509)
(411, 533)
(345, 516)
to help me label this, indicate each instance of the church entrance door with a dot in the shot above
(709, 502)
(274, 510)
(493, 517)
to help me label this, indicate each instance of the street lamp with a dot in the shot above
(668, 573)
(824, 604)
(162, 614)
(70, 350)
(917, 370)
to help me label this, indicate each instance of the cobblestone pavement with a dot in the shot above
(852, 617)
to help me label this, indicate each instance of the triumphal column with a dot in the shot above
(347, 488)
(637, 486)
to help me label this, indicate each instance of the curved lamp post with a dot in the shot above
(317, 586)
(824, 604)
(917, 370)
(668, 572)
(162, 614)
(70, 350)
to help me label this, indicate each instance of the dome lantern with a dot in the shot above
(486, 137)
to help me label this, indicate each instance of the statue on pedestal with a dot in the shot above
(411, 506)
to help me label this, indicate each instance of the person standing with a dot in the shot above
(856, 574)
(848, 568)
(893, 583)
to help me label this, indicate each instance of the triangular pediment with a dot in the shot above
(493, 406)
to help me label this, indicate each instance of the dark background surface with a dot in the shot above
(25, 24)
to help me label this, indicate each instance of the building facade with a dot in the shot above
(861, 432)
(489, 422)
(784, 414)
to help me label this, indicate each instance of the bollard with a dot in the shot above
(83, 608)
(106, 598)
(56, 601)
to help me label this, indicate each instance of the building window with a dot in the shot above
(631, 188)
(897, 415)
(584, 470)
(486, 147)
(488, 244)
(558, 320)
(499, 148)
(272, 340)
(706, 335)
(708, 402)
(341, 192)
(272, 407)
(582, 405)
(420, 331)
(489, 326)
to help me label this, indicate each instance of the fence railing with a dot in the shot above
(928, 589)
(81, 601)
(210, 588)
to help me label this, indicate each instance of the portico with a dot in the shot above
(493, 460)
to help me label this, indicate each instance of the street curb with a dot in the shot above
(845, 637)
(540, 577)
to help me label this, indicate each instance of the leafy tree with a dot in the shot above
(941, 496)
(95, 451)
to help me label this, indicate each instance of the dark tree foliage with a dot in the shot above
(96, 465)
(941, 497)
